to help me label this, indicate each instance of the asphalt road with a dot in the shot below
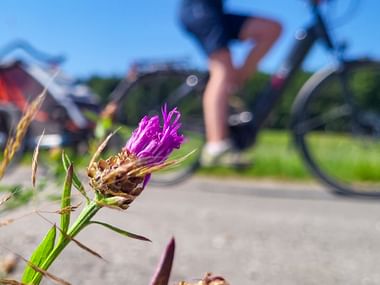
(248, 231)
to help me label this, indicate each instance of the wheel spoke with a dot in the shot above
(338, 129)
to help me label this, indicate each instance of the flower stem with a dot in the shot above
(82, 221)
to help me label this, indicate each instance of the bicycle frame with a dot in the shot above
(304, 41)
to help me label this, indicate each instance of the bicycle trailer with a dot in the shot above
(63, 113)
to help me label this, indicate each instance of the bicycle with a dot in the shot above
(331, 108)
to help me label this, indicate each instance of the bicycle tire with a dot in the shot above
(147, 95)
(325, 125)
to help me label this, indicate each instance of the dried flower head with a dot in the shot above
(122, 177)
(208, 280)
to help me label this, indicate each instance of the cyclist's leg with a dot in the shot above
(263, 32)
(209, 26)
(219, 149)
(205, 21)
(218, 89)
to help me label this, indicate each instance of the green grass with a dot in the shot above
(275, 156)
(348, 158)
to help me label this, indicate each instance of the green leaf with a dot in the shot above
(120, 231)
(66, 200)
(39, 255)
(77, 183)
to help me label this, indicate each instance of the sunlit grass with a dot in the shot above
(275, 156)
(347, 157)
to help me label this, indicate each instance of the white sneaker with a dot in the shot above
(228, 158)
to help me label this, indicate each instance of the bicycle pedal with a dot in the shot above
(240, 118)
(243, 132)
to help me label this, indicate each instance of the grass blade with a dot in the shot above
(10, 282)
(76, 182)
(35, 159)
(66, 200)
(120, 231)
(81, 245)
(45, 273)
(39, 255)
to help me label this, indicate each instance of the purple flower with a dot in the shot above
(154, 143)
(122, 177)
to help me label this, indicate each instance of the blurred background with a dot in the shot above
(100, 41)
(281, 228)
(104, 38)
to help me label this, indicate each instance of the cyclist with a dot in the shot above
(214, 29)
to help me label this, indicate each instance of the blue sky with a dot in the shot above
(104, 37)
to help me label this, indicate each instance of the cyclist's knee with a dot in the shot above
(261, 30)
(220, 64)
(222, 70)
(272, 31)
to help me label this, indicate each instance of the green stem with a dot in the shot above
(82, 221)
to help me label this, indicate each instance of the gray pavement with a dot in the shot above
(251, 232)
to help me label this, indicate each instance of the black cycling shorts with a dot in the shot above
(209, 24)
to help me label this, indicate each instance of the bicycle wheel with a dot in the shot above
(147, 95)
(337, 127)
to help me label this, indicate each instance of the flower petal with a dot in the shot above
(152, 141)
